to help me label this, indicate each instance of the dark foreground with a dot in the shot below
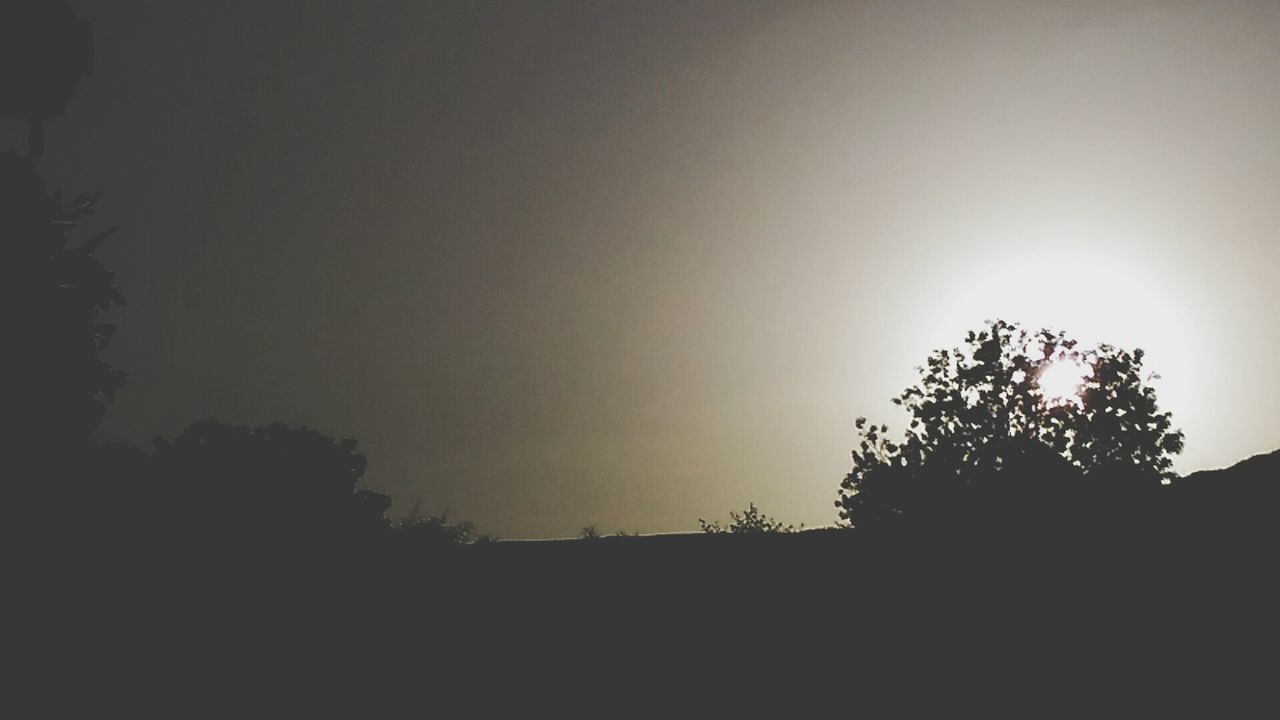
(1163, 600)
(1102, 620)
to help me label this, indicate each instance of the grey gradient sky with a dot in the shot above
(629, 264)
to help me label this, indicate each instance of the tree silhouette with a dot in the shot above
(985, 428)
(248, 488)
(56, 383)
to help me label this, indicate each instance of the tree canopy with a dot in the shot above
(984, 415)
(268, 485)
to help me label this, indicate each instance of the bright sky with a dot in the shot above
(638, 263)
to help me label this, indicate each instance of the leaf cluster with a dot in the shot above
(979, 406)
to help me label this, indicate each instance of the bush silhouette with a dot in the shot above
(420, 532)
(985, 435)
(749, 522)
(246, 488)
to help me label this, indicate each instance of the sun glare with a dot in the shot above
(1060, 381)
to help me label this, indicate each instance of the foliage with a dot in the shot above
(979, 410)
(749, 521)
(427, 531)
(57, 384)
(589, 533)
(270, 484)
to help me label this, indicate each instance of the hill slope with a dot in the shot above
(1255, 469)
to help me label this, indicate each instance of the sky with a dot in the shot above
(559, 264)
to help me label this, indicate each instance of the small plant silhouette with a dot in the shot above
(749, 521)
(430, 531)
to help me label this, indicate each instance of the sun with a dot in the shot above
(1060, 381)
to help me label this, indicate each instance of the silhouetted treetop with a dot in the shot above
(999, 401)
(269, 484)
(749, 522)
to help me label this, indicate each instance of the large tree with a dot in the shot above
(1008, 410)
(56, 382)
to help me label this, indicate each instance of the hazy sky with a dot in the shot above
(560, 263)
